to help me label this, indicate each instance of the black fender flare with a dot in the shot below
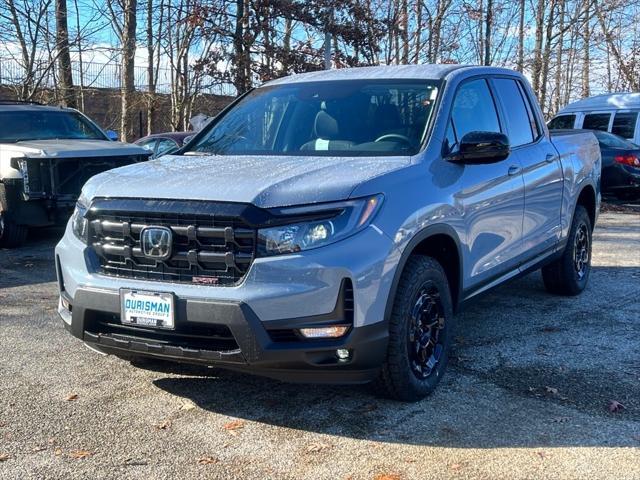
(422, 235)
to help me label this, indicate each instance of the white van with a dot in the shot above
(613, 112)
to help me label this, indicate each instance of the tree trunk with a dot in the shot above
(151, 95)
(80, 61)
(241, 57)
(557, 98)
(546, 56)
(586, 45)
(520, 65)
(537, 54)
(65, 76)
(128, 52)
(487, 34)
(404, 25)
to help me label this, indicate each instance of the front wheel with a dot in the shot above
(420, 332)
(11, 234)
(569, 274)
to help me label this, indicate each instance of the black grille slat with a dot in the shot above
(217, 249)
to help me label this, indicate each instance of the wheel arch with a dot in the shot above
(442, 243)
(587, 198)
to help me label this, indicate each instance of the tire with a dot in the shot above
(413, 367)
(569, 274)
(11, 234)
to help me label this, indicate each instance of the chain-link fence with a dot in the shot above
(102, 75)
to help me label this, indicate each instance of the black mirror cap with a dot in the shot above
(482, 147)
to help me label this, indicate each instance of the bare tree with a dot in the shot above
(65, 75)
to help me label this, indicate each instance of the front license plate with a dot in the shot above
(147, 309)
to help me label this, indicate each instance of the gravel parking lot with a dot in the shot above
(540, 387)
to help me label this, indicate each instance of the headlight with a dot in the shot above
(331, 222)
(79, 224)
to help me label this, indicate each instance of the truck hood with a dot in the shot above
(265, 181)
(75, 148)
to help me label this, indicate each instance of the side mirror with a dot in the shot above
(481, 147)
(112, 135)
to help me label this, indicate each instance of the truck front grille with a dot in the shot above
(63, 178)
(207, 248)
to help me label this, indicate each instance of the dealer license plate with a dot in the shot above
(147, 309)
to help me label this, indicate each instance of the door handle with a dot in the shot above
(551, 158)
(514, 170)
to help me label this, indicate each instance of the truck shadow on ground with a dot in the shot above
(528, 395)
(33, 263)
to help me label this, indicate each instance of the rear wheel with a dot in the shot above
(420, 332)
(569, 274)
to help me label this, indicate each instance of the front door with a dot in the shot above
(491, 195)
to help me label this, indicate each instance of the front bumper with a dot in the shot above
(93, 316)
(278, 295)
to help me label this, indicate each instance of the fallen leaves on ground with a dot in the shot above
(369, 407)
(207, 461)
(233, 427)
(163, 425)
(615, 406)
(78, 454)
(318, 447)
(71, 397)
(387, 476)
(4, 457)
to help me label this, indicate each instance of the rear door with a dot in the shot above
(541, 168)
(491, 195)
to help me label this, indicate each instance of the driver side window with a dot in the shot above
(473, 110)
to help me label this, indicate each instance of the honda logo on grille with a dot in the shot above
(156, 242)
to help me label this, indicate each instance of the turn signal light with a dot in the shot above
(324, 332)
(630, 160)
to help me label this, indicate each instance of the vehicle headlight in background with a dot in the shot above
(335, 221)
(79, 224)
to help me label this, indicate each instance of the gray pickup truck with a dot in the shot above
(47, 154)
(327, 227)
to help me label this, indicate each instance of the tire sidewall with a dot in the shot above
(435, 276)
(581, 217)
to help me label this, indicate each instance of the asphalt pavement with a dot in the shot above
(539, 387)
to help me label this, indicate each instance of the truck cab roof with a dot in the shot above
(390, 72)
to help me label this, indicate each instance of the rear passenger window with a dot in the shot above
(517, 116)
(597, 121)
(624, 124)
(473, 109)
(562, 122)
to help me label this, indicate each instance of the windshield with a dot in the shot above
(343, 118)
(46, 125)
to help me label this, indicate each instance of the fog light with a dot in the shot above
(324, 332)
(65, 303)
(343, 354)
